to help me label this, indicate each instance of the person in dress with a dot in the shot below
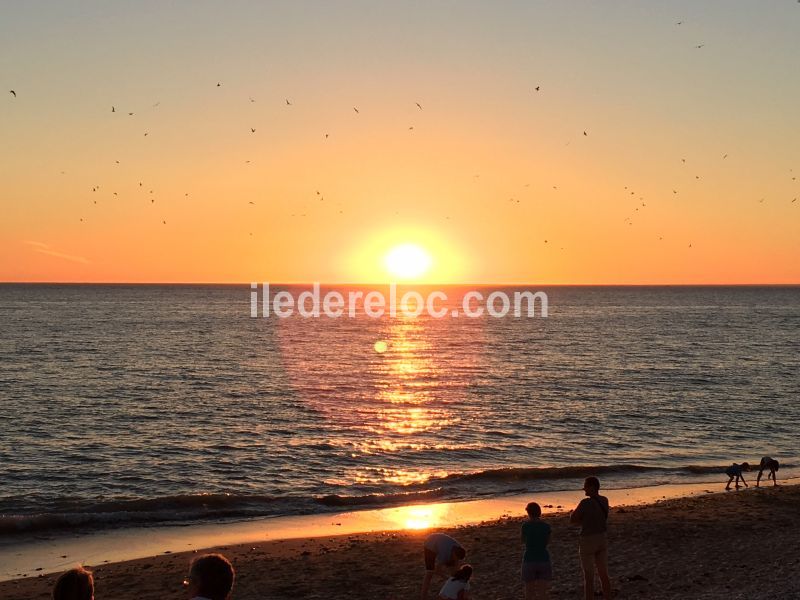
(537, 571)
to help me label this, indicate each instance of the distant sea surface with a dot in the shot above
(138, 405)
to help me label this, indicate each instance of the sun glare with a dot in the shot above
(407, 261)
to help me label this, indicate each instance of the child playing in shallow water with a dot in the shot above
(457, 587)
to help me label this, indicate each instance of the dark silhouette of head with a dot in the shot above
(745, 466)
(464, 573)
(75, 584)
(591, 486)
(211, 576)
(534, 510)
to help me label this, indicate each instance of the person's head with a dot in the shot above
(464, 573)
(456, 556)
(75, 584)
(591, 486)
(211, 576)
(534, 510)
(745, 466)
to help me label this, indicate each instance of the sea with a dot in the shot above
(143, 405)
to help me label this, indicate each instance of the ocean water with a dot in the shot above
(137, 405)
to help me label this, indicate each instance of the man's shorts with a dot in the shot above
(593, 550)
(537, 571)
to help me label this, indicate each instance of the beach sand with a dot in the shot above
(740, 544)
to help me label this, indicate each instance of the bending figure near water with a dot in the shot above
(768, 464)
(735, 472)
(443, 555)
(592, 515)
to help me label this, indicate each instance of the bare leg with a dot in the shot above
(727, 487)
(588, 585)
(426, 584)
(541, 590)
(602, 571)
(530, 590)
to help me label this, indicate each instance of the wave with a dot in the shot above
(72, 513)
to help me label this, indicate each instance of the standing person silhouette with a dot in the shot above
(592, 515)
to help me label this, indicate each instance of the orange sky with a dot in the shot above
(495, 179)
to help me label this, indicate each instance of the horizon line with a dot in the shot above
(399, 284)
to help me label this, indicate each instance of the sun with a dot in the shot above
(407, 261)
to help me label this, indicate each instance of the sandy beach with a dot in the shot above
(743, 544)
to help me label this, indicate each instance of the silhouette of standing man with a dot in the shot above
(592, 514)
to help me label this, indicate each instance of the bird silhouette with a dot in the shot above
(355, 109)
(252, 130)
(113, 109)
(288, 103)
(13, 93)
(700, 46)
(218, 84)
(537, 88)
(584, 133)
(419, 106)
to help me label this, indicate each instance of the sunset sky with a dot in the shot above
(496, 181)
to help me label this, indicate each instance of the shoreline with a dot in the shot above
(743, 544)
(26, 556)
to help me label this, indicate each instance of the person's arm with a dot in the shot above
(577, 515)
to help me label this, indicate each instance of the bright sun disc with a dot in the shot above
(407, 261)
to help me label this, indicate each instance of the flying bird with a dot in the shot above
(584, 133)
(218, 84)
(12, 92)
(355, 109)
(700, 46)
(679, 23)
(113, 109)
(419, 106)
(288, 103)
(537, 88)
(252, 130)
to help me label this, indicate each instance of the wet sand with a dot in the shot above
(743, 544)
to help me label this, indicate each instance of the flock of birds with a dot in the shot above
(629, 220)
